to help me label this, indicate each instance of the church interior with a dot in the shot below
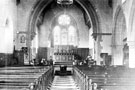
(67, 45)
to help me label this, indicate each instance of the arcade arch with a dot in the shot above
(120, 51)
(131, 35)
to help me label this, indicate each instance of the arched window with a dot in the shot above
(64, 36)
(72, 35)
(64, 30)
(56, 35)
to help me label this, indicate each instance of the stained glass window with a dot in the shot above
(64, 32)
(57, 35)
(72, 35)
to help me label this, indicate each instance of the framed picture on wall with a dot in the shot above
(22, 37)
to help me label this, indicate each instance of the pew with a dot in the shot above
(25, 78)
(110, 78)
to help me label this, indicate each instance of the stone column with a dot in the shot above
(132, 54)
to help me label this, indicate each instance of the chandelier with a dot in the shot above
(67, 2)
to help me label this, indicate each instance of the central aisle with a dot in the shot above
(63, 83)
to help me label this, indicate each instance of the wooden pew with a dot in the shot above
(114, 78)
(97, 74)
(24, 78)
(120, 78)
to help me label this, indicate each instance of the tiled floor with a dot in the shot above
(63, 83)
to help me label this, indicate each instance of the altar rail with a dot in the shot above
(25, 78)
(101, 78)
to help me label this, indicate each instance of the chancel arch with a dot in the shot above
(39, 12)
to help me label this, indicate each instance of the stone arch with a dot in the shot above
(131, 35)
(132, 22)
(91, 10)
(119, 42)
(40, 5)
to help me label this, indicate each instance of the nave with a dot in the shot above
(36, 34)
(83, 78)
